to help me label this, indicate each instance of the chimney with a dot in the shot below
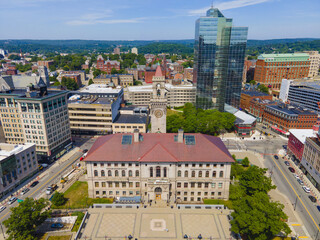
(180, 136)
(136, 135)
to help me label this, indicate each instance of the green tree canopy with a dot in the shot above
(96, 72)
(263, 88)
(14, 57)
(245, 162)
(22, 223)
(69, 83)
(90, 82)
(58, 199)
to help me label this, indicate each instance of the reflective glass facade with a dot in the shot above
(219, 58)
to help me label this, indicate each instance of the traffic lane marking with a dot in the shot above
(297, 195)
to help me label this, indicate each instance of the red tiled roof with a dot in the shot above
(158, 72)
(159, 147)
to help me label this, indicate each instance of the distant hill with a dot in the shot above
(254, 47)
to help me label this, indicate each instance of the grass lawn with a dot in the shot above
(227, 203)
(172, 112)
(65, 237)
(77, 196)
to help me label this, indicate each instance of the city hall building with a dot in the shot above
(159, 166)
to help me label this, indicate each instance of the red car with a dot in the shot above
(81, 158)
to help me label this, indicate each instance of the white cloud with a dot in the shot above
(228, 5)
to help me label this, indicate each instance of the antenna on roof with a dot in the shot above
(212, 4)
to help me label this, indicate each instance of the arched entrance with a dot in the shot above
(158, 192)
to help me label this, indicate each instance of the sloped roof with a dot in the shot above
(158, 72)
(159, 147)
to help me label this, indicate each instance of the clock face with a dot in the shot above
(158, 113)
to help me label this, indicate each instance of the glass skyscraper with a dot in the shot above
(218, 60)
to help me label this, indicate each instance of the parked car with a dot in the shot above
(300, 181)
(2, 208)
(312, 198)
(57, 225)
(287, 163)
(34, 183)
(292, 170)
(85, 150)
(318, 207)
(81, 158)
(24, 191)
(40, 167)
(44, 165)
(284, 146)
(12, 200)
(296, 176)
(276, 157)
(306, 189)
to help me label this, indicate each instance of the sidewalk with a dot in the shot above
(232, 136)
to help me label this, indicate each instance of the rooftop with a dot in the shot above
(291, 109)
(254, 93)
(77, 99)
(7, 149)
(131, 118)
(244, 118)
(302, 134)
(100, 88)
(284, 57)
(159, 147)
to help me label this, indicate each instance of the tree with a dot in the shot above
(137, 83)
(263, 88)
(96, 72)
(252, 82)
(90, 82)
(87, 71)
(114, 71)
(58, 199)
(245, 162)
(14, 57)
(24, 219)
(254, 180)
(174, 122)
(69, 83)
(256, 218)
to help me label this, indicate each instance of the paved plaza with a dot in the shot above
(156, 223)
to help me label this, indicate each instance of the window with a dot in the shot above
(123, 173)
(102, 173)
(95, 173)
(179, 185)
(123, 184)
(164, 172)
(109, 184)
(130, 173)
(220, 185)
(185, 173)
(109, 173)
(158, 171)
(137, 184)
(214, 174)
(179, 173)
(137, 173)
(117, 184)
(200, 174)
(221, 174)
(97, 192)
(193, 174)
(151, 172)
(103, 184)
(192, 185)
(185, 185)
(96, 184)
(116, 173)
(199, 185)
(206, 185)
(207, 173)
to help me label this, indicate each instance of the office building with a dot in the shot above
(272, 68)
(314, 57)
(178, 168)
(36, 115)
(17, 163)
(219, 58)
(284, 89)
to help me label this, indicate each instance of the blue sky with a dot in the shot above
(152, 20)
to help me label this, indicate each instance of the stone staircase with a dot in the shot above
(159, 204)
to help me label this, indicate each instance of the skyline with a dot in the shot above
(142, 20)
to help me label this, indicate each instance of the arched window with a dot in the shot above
(123, 173)
(185, 173)
(207, 173)
(164, 172)
(95, 173)
(179, 173)
(158, 171)
(116, 173)
(200, 174)
(109, 173)
(214, 174)
(137, 173)
(193, 174)
(130, 173)
(221, 174)
(102, 173)
(151, 172)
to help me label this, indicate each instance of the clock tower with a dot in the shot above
(158, 103)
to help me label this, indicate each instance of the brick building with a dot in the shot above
(188, 74)
(75, 77)
(283, 117)
(257, 106)
(272, 68)
(45, 63)
(247, 96)
(148, 75)
(106, 66)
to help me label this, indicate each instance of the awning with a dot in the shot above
(279, 130)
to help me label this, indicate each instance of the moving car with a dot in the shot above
(276, 157)
(51, 189)
(12, 200)
(287, 163)
(57, 225)
(306, 189)
(300, 181)
(2, 208)
(24, 191)
(312, 198)
(292, 170)
(34, 183)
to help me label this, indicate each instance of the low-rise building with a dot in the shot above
(247, 96)
(245, 124)
(47, 64)
(123, 80)
(75, 77)
(296, 141)
(107, 66)
(188, 74)
(162, 166)
(257, 106)
(81, 73)
(314, 58)
(17, 163)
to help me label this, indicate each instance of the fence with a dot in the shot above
(81, 226)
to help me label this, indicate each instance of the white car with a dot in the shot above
(44, 165)
(12, 200)
(306, 189)
(296, 176)
(2, 208)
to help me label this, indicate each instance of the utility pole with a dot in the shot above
(2, 231)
